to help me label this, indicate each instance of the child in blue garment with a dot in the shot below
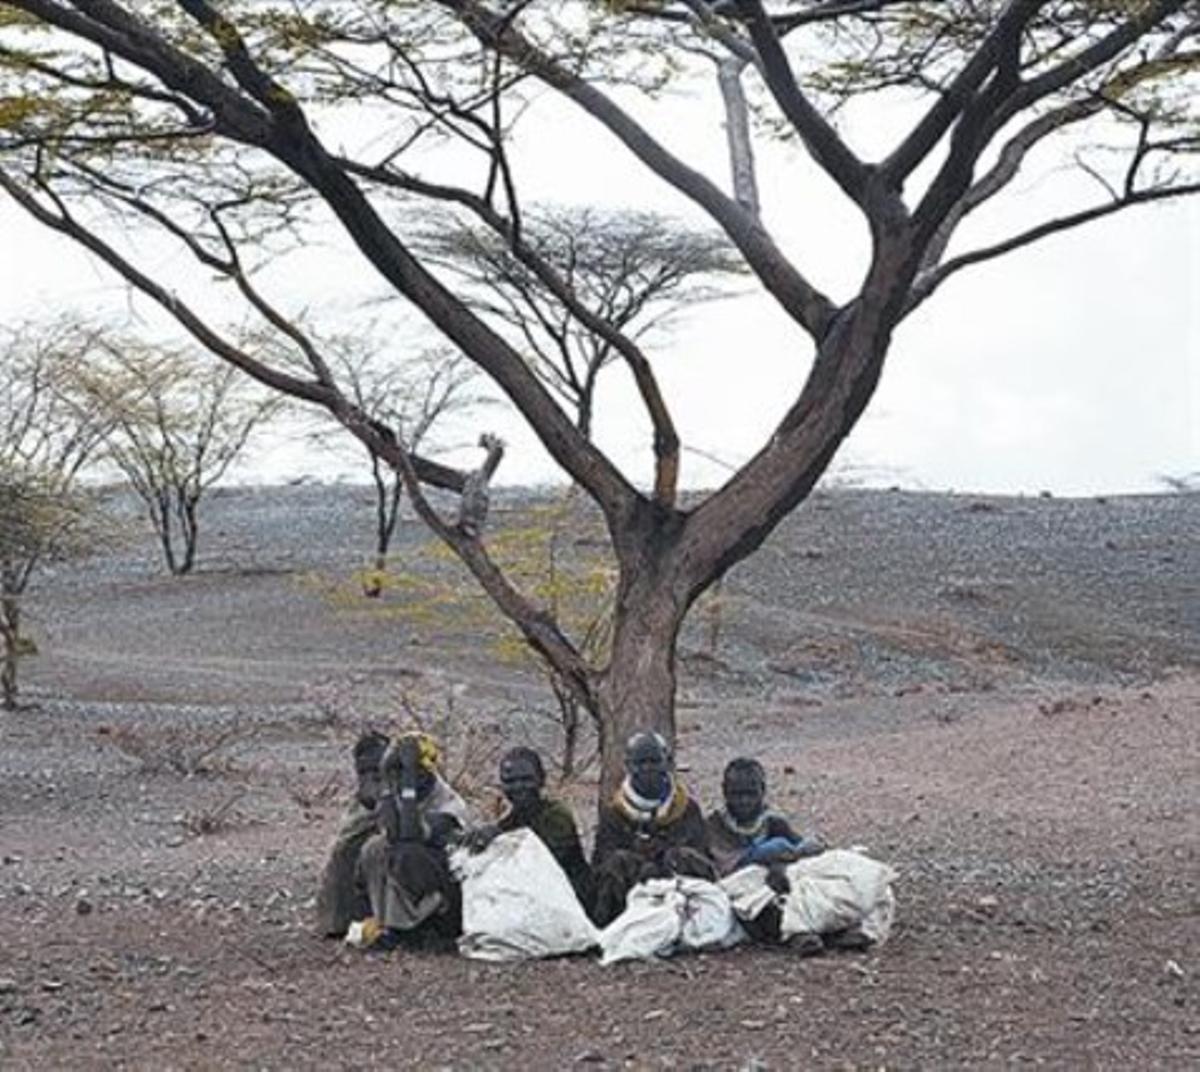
(746, 831)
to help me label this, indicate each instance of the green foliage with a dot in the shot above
(553, 551)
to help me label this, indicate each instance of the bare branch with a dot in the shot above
(823, 142)
(803, 302)
(936, 278)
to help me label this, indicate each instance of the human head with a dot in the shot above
(744, 785)
(412, 757)
(522, 777)
(368, 753)
(648, 763)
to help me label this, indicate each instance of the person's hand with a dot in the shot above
(480, 837)
(808, 846)
(777, 879)
(442, 831)
(370, 789)
(387, 817)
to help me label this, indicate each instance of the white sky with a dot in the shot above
(1071, 366)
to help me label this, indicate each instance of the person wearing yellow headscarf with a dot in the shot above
(404, 867)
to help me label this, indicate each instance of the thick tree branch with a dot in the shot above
(666, 439)
(289, 139)
(934, 279)
(538, 627)
(112, 28)
(823, 142)
(955, 98)
(803, 302)
(1146, 15)
(306, 390)
(1006, 168)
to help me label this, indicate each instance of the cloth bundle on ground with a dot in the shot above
(838, 890)
(517, 903)
(668, 915)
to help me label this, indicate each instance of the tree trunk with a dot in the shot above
(190, 528)
(10, 628)
(637, 690)
(160, 515)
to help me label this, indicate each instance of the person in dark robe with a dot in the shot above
(522, 780)
(403, 867)
(747, 831)
(340, 901)
(652, 828)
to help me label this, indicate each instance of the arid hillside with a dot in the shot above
(999, 696)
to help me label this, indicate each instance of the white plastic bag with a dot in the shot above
(665, 915)
(836, 890)
(517, 902)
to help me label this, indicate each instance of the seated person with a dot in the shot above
(651, 829)
(522, 778)
(403, 867)
(339, 901)
(746, 831)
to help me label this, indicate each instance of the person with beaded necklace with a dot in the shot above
(652, 828)
(745, 832)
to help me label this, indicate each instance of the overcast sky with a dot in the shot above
(1071, 366)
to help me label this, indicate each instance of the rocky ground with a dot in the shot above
(999, 696)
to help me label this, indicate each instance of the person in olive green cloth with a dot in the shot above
(522, 779)
(339, 899)
(652, 828)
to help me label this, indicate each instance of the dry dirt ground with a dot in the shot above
(1001, 697)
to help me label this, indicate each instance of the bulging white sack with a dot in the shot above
(837, 890)
(666, 915)
(518, 903)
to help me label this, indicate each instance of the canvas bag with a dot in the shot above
(666, 915)
(836, 890)
(517, 903)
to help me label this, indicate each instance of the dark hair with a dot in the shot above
(745, 765)
(369, 748)
(647, 737)
(529, 755)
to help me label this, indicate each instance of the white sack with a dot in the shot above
(518, 903)
(666, 915)
(836, 890)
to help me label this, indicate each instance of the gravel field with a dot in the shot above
(1000, 696)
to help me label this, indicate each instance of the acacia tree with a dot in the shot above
(205, 119)
(406, 398)
(175, 426)
(44, 445)
(634, 270)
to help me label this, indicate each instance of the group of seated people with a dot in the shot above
(390, 862)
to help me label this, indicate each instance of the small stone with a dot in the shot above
(8, 985)
(52, 986)
(83, 907)
(1172, 969)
